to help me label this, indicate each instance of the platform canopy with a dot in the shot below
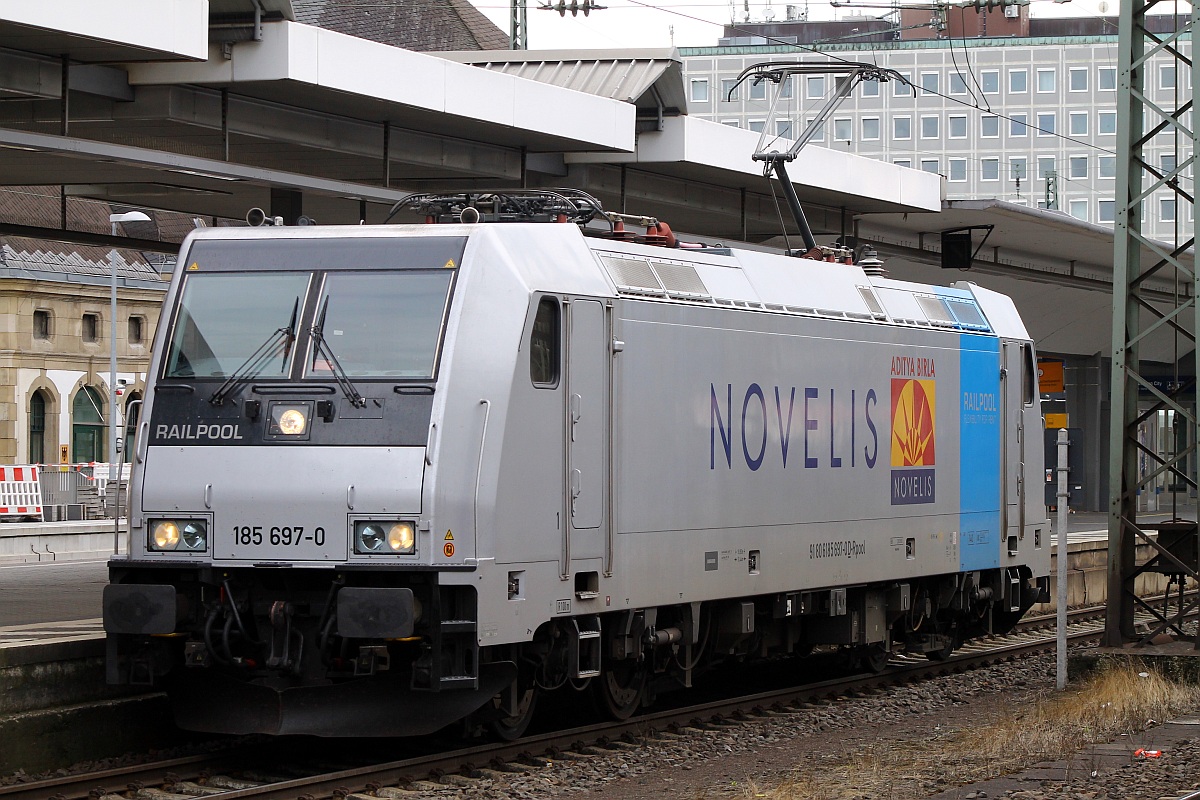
(1058, 269)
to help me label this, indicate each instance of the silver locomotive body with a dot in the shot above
(392, 478)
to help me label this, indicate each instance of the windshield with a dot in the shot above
(382, 323)
(224, 318)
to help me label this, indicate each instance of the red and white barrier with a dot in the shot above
(20, 492)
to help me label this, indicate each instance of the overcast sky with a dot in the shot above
(695, 23)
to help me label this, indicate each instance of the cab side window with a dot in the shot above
(1029, 383)
(544, 344)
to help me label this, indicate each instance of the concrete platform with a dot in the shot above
(38, 542)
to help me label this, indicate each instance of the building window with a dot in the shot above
(870, 88)
(1046, 81)
(1045, 165)
(901, 128)
(700, 90)
(902, 88)
(1045, 123)
(1017, 124)
(785, 87)
(989, 169)
(989, 79)
(1078, 123)
(1106, 166)
(903, 162)
(958, 84)
(91, 327)
(729, 90)
(815, 86)
(1078, 79)
(87, 427)
(958, 169)
(1166, 76)
(41, 324)
(1018, 81)
(1166, 209)
(1106, 210)
(758, 125)
(870, 128)
(783, 127)
(733, 123)
(1017, 170)
(1078, 209)
(957, 126)
(1167, 162)
(1106, 79)
(1077, 166)
(929, 165)
(930, 127)
(1106, 122)
(843, 129)
(137, 330)
(929, 82)
(37, 428)
(758, 91)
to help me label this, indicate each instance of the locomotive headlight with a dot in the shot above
(183, 534)
(385, 537)
(368, 537)
(292, 422)
(402, 537)
(194, 535)
(287, 420)
(164, 535)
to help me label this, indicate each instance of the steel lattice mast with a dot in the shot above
(1133, 466)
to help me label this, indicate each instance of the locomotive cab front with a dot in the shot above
(278, 548)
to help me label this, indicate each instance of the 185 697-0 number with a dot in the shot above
(277, 535)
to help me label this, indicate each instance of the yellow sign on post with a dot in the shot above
(1050, 377)
(1056, 421)
(63, 454)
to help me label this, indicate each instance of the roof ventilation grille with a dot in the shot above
(633, 275)
(680, 279)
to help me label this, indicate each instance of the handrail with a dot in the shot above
(487, 411)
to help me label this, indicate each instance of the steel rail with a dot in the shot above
(792, 700)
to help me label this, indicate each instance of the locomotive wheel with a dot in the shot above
(512, 728)
(946, 650)
(875, 657)
(618, 691)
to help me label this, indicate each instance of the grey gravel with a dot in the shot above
(728, 761)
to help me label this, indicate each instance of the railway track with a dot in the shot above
(235, 776)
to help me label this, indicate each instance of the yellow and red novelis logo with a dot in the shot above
(914, 430)
(913, 415)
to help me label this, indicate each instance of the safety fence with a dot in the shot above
(80, 491)
(20, 492)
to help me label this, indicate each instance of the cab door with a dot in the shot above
(586, 432)
(1018, 389)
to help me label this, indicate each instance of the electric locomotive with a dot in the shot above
(390, 478)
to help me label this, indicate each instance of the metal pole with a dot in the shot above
(1064, 497)
(112, 404)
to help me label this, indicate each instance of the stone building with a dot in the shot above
(55, 334)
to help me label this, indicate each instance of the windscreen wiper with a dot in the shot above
(278, 344)
(339, 374)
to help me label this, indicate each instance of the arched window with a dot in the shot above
(37, 428)
(133, 408)
(87, 427)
